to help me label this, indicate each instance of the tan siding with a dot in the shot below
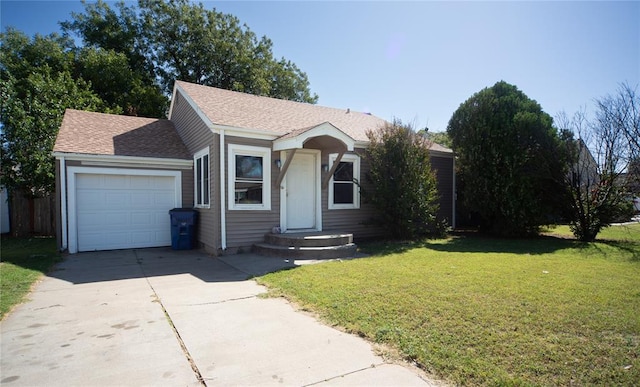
(244, 228)
(356, 221)
(196, 136)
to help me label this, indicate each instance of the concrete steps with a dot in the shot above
(308, 245)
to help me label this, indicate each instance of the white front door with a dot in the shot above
(302, 192)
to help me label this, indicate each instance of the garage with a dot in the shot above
(113, 209)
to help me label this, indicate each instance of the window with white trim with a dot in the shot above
(249, 177)
(201, 178)
(344, 192)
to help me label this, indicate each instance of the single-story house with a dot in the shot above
(247, 164)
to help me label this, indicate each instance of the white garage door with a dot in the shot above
(123, 211)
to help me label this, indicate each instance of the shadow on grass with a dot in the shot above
(466, 242)
(36, 253)
(631, 248)
(470, 242)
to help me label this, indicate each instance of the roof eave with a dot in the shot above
(122, 160)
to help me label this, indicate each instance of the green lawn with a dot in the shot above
(23, 262)
(481, 311)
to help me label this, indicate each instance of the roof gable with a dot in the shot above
(276, 116)
(109, 134)
(297, 138)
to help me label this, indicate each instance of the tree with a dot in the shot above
(111, 77)
(604, 162)
(597, 195)
(511, 164)
(37, 83)
(403, 186)
(31, 114)
(622, 112)
(180, 40)
(441, 138)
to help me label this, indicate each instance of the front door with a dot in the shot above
(302, 191)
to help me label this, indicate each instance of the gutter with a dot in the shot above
(223, 208)
(63, 202)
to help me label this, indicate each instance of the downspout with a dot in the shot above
(63, 201)
(455, 195)
(223, 208)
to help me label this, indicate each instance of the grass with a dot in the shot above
(628, 233)
(24, 260)
(482, 311)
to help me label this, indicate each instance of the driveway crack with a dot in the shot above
(223, 301)
(345, 374)
(183, 346)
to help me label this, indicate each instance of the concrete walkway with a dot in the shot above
(159, 317)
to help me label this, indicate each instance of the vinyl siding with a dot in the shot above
(356, 221)
(246, 227)
(196, 136)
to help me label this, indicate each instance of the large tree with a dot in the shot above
(42, 76)
(181, 40)
(36, 85)
(510, 159)
(403, 186)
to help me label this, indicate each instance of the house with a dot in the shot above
(248, 164)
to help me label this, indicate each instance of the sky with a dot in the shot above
(418, 61)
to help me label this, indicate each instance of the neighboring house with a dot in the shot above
(585, 172)
(248, 164)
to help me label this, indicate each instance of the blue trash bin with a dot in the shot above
(183, 228)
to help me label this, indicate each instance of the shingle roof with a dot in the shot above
(110, 134)
(278, 116)
(274, 115)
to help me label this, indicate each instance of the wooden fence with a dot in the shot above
(32, 216)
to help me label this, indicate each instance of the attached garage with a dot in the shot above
(117, 177)
(117, 209)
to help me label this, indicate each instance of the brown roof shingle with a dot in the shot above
(110, 134)
(278, 116)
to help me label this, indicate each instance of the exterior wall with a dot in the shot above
(196, 136)
(356, 221)
(246, 227)
(186, 177)
(359, 221)
(443, 167)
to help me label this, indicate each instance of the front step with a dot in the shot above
(311, 245)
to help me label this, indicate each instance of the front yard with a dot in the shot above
(481, 311)
(23, 261)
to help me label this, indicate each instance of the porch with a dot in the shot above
(308, 245)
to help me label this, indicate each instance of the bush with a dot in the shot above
(403, 185)
(511, 164)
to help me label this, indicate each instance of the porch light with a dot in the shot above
(325, 167)
(278, 163)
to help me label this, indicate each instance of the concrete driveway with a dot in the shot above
(161, 317)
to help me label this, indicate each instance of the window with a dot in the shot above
(343, 190)
(201, 178)
(249, 177)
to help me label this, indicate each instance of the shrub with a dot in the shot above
(403, 185)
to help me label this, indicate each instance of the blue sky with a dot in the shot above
(418, 61)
